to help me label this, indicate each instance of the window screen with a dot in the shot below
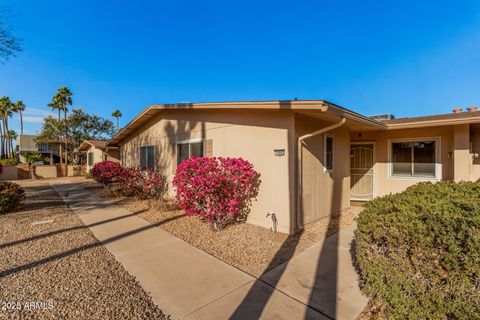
(328, 153)
(90, 158)
(147, 157)
(414, 159)
(189, 149)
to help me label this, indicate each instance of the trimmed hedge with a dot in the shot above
(419, 251)
(11, 196)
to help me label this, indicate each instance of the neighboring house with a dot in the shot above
(314, 157)
(27, 144)
(98, 151)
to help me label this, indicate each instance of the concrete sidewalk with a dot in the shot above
(323, 277)
(183, 281)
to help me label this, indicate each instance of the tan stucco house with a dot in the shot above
(97, 151)
(314, 157)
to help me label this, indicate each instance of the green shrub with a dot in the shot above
(88, 174)
(9, 162)
(419, 251)
(11, 196)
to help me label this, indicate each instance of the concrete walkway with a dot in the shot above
(187, 283)
(323, 277)
(183, 281)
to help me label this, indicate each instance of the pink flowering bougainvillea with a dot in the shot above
(142, 183)
(217, 189)
(106, 172)
(130, 181)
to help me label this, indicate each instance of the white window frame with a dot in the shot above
(154, 156)
(326, 136)
(190, 141)
(438, 159)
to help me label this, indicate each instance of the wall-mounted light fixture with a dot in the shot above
(279, 152)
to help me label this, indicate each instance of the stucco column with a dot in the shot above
(461, 152)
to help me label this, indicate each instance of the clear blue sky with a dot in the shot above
(404, 57)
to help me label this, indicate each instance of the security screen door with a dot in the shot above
(362, 161)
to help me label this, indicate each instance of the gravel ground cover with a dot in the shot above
(58, 269)
(250, 248)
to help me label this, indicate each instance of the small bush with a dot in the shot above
(106, 172)
(9, 162)
(419, 251)
(144, 184)
(11, 196)
(88, 174)
(217, 189)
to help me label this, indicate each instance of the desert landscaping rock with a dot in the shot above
(59, 270)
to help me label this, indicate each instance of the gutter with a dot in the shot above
(431, 123)
(299, 224)
(342, 112)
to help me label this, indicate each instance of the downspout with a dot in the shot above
(300, 159)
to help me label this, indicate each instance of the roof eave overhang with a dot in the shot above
(434, 123)
(84, 146)
(356, 117)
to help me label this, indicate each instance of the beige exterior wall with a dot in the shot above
(112, 155)
(76, 170)
(99, 156)
(9, 173)
(475, 145)
(384, 184)
(252, 135)
(461, 152)
(323, 193)
(46, 171)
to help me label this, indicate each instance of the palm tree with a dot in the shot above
(12, 135)
(6, 110)
(9, 114)
(117, 114)
(4, 101)
(31, 158)
(60, 100)
(54, 105)
(20, 107)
